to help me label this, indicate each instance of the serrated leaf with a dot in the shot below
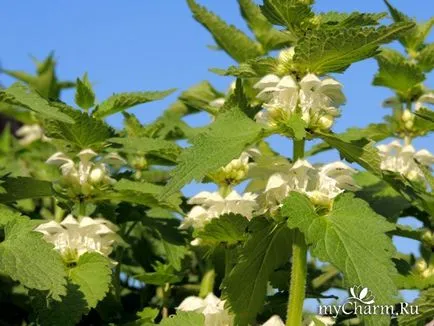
(20, 94)
(353, 238)
(322, 51)
(397, 73)
(30, 260)
(264, 31)
(425, 302)
(221, 142)
(426, 114)
(84, 95)
(238, 45)
(199, 96)
(426, 58)
(268, 247)
(374, 131)
(67, 312)
(288, 13)
(361, 151)
(122, 101)
(86, 132)
(8, 215)
(93, 276)
(296, 126)
(146, 192)
(183, 318)
(343, 19)
(382, 198)
(163, 274)
(23, 188)
(253, 68)
(146, 145)
(228, 228)
(414, 38)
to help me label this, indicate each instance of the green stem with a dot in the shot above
(207, 284)
(82, 208)
(299, 264)
(298, 280)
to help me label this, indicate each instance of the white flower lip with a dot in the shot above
(79, 237)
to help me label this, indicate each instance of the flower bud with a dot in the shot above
(413, 175)
(97, 175)
(428, 238)
(420, 266)
(407, 116)
(325, 122)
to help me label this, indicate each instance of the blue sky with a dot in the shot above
(154, 45)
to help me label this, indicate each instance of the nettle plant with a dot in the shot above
(95, 229)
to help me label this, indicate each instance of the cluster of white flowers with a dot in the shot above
(320, 184)
(326, 321)
(316, 100)
(84, 176)
(30, 133)
(215, 313)
(212, 205)
(402, 159)
(73, 238)
(211, 307)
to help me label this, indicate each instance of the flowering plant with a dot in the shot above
(96, 227)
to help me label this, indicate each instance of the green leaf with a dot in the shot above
(288, 13)
(147, 191)
(23, 188)
(30, 260)
(374, 131)
(296, 126)
(84, 95)
(397, 73)
(426, 58)
(414, 38)
(353, 238)
(67, 312)
(361, 151)
(163, 274)
(238, 45)
(19, 94)
(228, 228)
(268, 247)
(199, 96)
(269, 37)
(221, 142)
(183, 318)
(426, 310)
(382, 198)
(322, 50)
(343, 19)
(253, 68)
(8, 215)
(426, 114)
(122, 101)
(162, 148)
(86, 132)
(148, 314)
(93, 276)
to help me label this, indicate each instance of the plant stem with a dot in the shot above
(82, 208)
(299, 264)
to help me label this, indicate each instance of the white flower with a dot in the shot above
(212, 205)
(218, 102)
(400, 158)
(317, 100)
(211, 307)
(320, 184)
(274, 321)
(427, 98)
(326, 321)
(30, 134)
(87, 173)
(73, 238)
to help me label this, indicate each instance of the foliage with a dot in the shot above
(96, 227)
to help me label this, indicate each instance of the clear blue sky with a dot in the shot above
(154, 45)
